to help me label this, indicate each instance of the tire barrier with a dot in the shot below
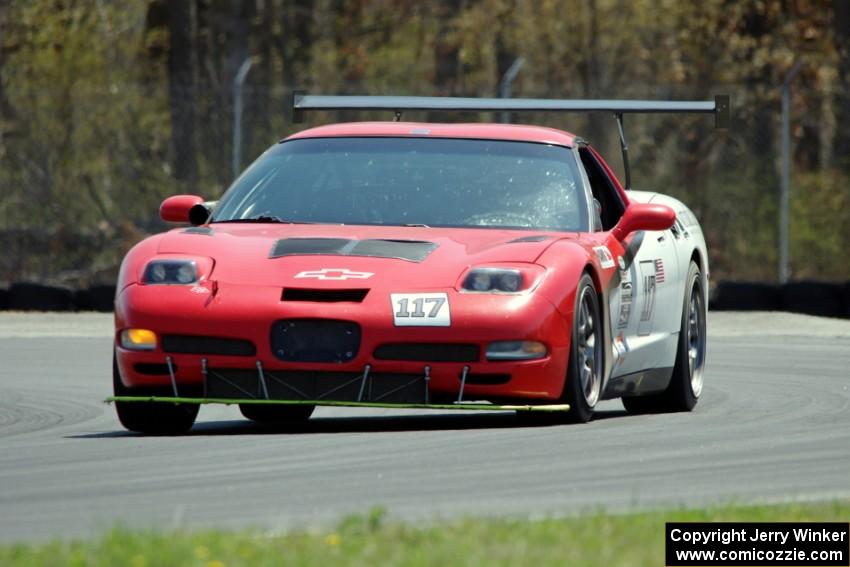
(823, 299)
(38, 297)
(746, 296)
(26, 296)
(845, 296)
(95, 298)
(814, 298)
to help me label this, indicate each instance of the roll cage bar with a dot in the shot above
(719, 107)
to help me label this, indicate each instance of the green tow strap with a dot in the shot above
(335, 403)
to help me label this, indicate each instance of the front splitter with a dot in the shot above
(334, 403)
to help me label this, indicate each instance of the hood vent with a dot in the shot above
(536, 238)
(204, 230)
(323, 295)
(410, 250)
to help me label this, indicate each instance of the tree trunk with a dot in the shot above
(598, 124)
(236, 25)
(7, 112)
(446, 57)
(258, 107)
(446, 53)
(181, 88)
(296, 44)
(841, 19)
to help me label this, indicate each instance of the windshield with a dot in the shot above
(411, 181)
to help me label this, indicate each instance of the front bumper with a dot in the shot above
(248, 313)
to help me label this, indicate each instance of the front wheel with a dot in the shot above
(583, 381)
(153, 418)
(584, 375)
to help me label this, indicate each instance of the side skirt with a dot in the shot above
(651, 381)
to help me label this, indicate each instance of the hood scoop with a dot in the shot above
(410, 250)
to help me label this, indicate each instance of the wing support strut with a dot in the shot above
(624, 147)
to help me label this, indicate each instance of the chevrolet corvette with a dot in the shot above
(417, 265)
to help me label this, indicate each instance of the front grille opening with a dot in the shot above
(428, 352)
(153, 368)
(324, 295)
(487, 379)
(189, 344)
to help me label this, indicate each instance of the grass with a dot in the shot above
(599, 539)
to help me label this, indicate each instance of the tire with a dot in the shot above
(644, 404)
(277, 414)
(579, 393)
(151, 418)
(583, 385)
(685, 386)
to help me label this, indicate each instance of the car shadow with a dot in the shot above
(361, 424)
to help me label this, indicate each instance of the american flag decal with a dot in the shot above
(659, 271)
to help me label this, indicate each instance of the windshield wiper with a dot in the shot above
(416, 225)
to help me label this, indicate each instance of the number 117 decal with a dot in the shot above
(421, 310)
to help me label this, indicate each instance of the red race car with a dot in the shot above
(403, 264)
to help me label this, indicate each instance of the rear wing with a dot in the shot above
(719, 107)
(302, 102)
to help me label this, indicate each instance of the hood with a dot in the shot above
(270, 254)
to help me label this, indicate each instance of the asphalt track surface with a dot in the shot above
(773, 425)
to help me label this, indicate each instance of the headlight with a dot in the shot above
(516, 350)
(170, 272)
(484, 280)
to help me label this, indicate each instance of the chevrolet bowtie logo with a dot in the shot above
(335, 274)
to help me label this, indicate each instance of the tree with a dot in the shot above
(841, 19)
(181, 88)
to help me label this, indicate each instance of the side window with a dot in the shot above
(603, 189)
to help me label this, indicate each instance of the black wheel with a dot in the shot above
(276, 414)
(150, 417)
(583, 382)
(583, 385)
(686, 384)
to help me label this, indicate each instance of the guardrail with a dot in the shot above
(808, 297)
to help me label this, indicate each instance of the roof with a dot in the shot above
(512, 132)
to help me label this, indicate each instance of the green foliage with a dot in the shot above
(85, 151)
(820, 223)
(592, 539)
(87, 106)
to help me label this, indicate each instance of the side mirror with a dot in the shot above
(177, 208)
(643, 216)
